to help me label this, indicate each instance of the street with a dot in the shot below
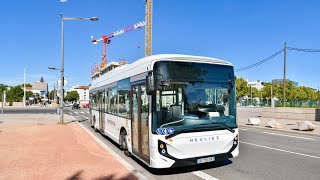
(263, 155)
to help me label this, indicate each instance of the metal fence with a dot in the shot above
(278, 103)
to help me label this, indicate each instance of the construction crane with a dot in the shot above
(148, 30)
(106, 39)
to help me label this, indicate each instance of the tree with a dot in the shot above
(27, 85)
(255, 92)
(242, 87)
(72, 96)
(52, 93)
(15, 94)
(28, 94)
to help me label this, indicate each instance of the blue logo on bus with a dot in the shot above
(165, 131)
(171, 130)
(159, 131)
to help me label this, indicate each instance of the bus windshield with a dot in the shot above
(199, 96)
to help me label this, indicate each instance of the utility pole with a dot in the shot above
(2, 102)
(271, 102)
(24, 87)
(250, 95)
(318, 97)
(284, 74)
(62, 70)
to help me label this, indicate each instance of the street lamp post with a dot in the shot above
(24, 87)
(62, 58)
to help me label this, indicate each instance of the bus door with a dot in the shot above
(101, 111)
(139, 122)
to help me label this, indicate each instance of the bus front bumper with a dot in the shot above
(168, 161)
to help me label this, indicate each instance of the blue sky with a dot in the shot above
(242, 32)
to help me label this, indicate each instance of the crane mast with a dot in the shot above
(148, 29)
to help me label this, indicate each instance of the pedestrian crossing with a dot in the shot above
(77, 113)
(68, 112)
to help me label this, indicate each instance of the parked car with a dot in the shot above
(86, 105)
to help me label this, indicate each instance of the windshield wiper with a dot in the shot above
(228, 127)
(174, 122)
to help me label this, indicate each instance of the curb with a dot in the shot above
(114, 154)
(281, 130)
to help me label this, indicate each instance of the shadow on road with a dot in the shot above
(188, 169)
(82, 120)
(77, 176)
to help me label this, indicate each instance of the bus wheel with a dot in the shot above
(123, 143)
(94, 124)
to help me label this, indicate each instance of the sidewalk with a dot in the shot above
(287, 125)
(42, 149)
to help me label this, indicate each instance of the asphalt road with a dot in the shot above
(263, 155)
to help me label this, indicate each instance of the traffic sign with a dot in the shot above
(65, 81)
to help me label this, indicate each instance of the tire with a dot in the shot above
(94, 123)
(123, 143)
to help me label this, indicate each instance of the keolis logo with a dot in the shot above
(204, 139)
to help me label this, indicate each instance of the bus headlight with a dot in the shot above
(235, 140)
(163, 151)
(162, 148)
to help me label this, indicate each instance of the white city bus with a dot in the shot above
(169, 110)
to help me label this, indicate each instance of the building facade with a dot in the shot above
(83, 92)
(41, 88)
(256, 84)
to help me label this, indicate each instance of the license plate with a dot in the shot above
(205, 160)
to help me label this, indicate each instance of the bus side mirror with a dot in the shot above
(150, 84)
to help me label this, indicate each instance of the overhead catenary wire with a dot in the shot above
(303, 50)
(259, 62)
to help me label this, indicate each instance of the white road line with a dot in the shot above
(82, 112)
(276, 149)
(244, 129)
(84, 116)
(204, 175)
(288, 135)
(119, 158)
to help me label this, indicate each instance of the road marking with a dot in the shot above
(84, 117)
(288, 135)
(82, 112)
(119, 158)
(276, 149)
(204, 175)
(244, 129)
